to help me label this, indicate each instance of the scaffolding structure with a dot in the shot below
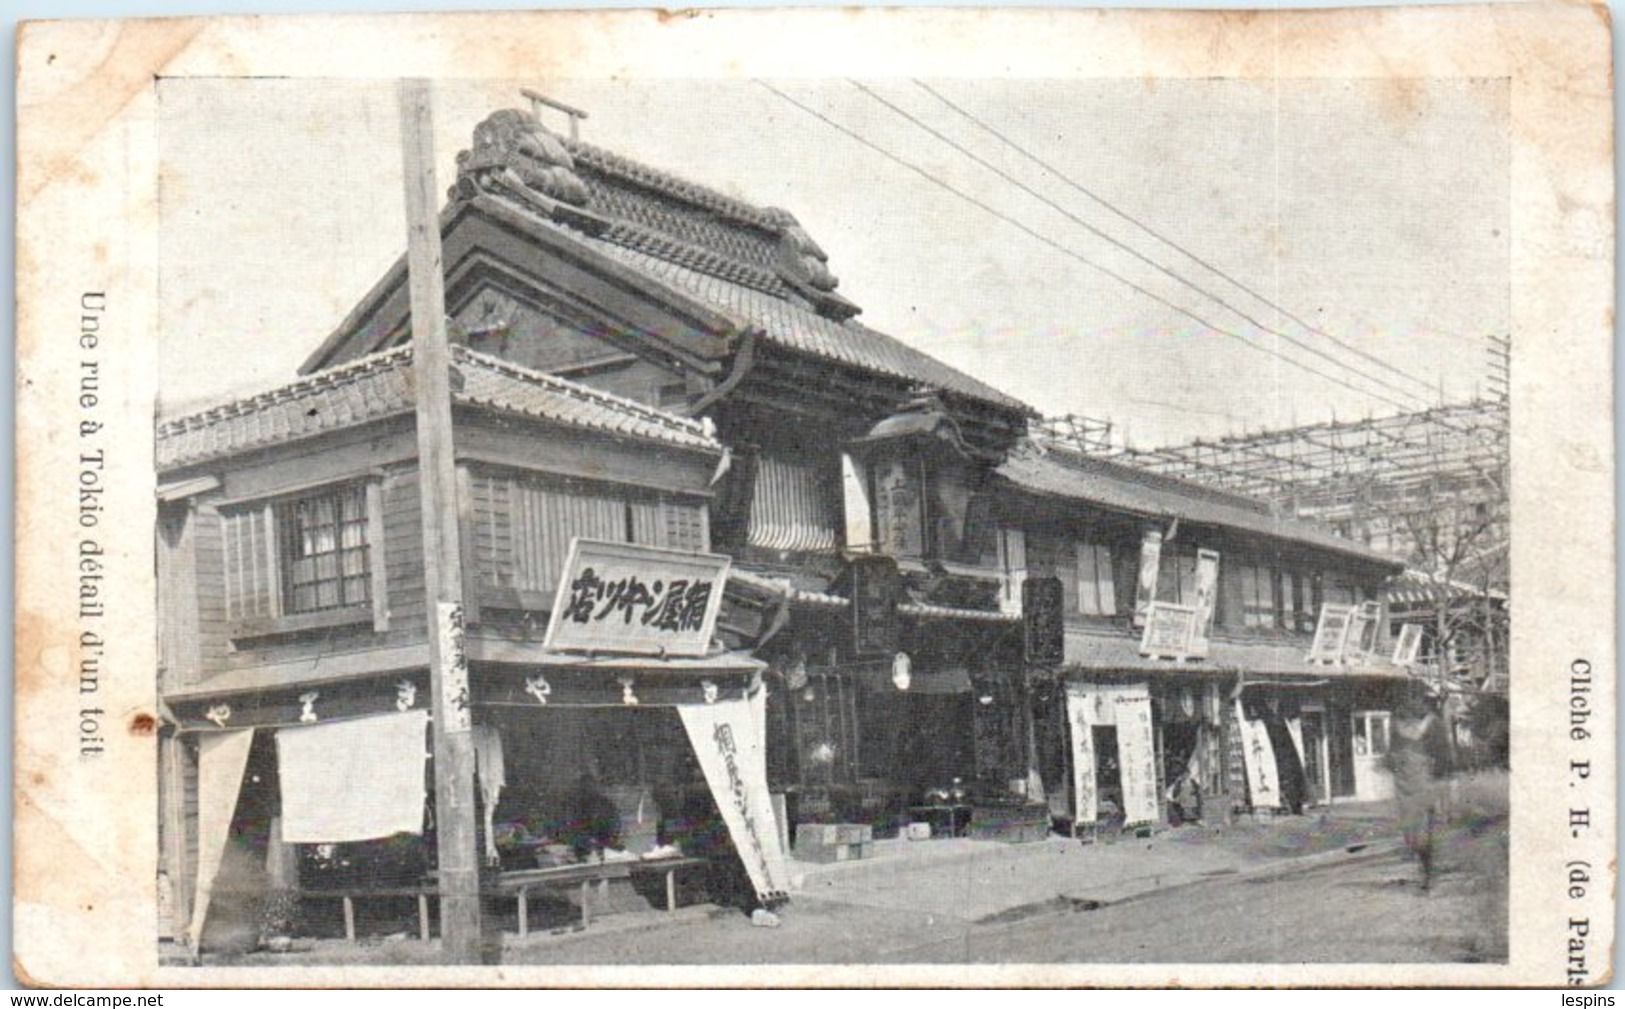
(1399, 483)
(1087, 435)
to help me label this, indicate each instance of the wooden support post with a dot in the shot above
(458, 856)
(349, 918)
(423, 916)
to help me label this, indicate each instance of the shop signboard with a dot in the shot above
(1136, 753)
(1169, 630)
(1258, 759)
(1145, 589)
(1364, 629)
(636, 600)
(1207, 594)
(1409, 645)
(1331, 633)
(876, 588)
(1080, 715)
(1042, 603)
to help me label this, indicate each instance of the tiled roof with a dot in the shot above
(791, 324)
(380, 385)
(1117, 487)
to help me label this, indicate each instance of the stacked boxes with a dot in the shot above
(834, 842)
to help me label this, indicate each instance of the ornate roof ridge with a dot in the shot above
(586, 393)
(330, 378)
(771, 219)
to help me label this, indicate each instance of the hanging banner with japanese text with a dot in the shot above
(728, 739)
(1258, 756)
(1145, 589)
(1080, 716)
(616, 597)
(1207, 595)
(1136, 752)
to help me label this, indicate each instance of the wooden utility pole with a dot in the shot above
(442, 551)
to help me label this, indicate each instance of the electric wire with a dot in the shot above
(1164, 239)
(1073, 254)
(1092, 229)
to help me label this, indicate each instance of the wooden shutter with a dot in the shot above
(250, 563)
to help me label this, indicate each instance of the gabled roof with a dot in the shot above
(1117, 487)
(753, 265)
(381, 385)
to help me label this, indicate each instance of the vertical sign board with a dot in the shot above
(1331, 633)
(876, 588)
(1258, 757)
(1145, 590)
(1043, 623)
(1080, 717)
(1207, 596)
(454, 670)
(1136, 753)
(1169, 629)
(636, 600)
(1409, 645)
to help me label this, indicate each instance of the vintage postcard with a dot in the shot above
(1042, 497)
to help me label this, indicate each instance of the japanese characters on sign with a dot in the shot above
(454, 669)
(616, 597)
(1332, 633)
(1170, 630)
(876, 588)
(1042, 602)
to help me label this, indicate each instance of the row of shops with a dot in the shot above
(733, 564)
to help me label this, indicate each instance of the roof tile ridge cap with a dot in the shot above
(670, 183)
(327, 378)
(666, 247)
(579, 391)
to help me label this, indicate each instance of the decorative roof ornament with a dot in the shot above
(515, 140)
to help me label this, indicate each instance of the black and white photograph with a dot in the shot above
(892, 518)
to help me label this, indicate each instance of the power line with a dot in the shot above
(1351, 348)
(1336, 361)
(1064, 250)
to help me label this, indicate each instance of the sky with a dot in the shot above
(1359, 228)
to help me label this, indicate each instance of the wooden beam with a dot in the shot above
(458, 857)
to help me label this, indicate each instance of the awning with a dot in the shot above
(782, 588)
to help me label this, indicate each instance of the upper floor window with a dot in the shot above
(324, 551)
(1258, 596)
(309, 555)
(1097, 591)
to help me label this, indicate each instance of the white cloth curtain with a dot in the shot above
(222, 757)
(729, 742)
(353, 780)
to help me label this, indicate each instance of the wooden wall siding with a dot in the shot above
(574, 453)
(403, 554)
(345, 454)
(177, 595)
(250, 562)
(523, 524)
(792, 506)
(213, 626)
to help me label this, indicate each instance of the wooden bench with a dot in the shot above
(347, 897)
(520, 883)
(517, 884)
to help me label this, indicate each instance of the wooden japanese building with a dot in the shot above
(943, 614)
(294, 635)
